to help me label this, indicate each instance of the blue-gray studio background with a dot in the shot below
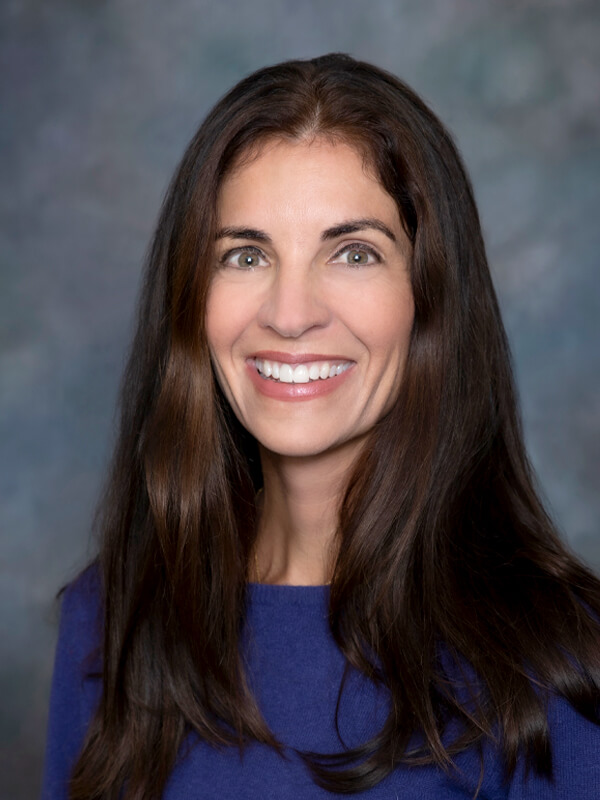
(98, 100)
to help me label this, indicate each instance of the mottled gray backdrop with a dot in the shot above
(98, 100)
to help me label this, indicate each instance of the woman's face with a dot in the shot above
(310, 310)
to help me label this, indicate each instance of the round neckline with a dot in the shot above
(284, 595)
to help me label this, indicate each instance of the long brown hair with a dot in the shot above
(449, 565)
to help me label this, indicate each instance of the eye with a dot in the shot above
(357, 255)
(246, 258)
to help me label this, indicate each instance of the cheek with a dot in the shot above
(223, 318)
(391, 344)
(229, 317)
(384, 323)
(219, 337)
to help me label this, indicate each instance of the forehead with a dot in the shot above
(318, 181)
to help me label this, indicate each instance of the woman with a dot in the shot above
(324, 567)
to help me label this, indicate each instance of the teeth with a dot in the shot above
(313, 372)
(286, 374)
(301, 373)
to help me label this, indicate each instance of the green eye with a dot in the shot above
(247, 260)
(243, 258)
(357, 257)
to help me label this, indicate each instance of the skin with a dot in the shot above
(287, 281)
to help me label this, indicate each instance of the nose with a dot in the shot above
(294, 303)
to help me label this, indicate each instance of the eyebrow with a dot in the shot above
(342, 229)
(243, 233)
(354, 225)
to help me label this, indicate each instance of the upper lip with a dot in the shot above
(297, 358)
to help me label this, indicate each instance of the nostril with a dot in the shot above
(292, 308)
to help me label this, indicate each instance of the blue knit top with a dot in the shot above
(295, 669)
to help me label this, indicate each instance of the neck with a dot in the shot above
(297, 534)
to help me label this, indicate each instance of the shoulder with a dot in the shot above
(82, 619)
(575, 743)
(75, 686)
(575, 749)
(84, 594)
(573, 738)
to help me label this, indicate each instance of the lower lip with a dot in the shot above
(295, 391)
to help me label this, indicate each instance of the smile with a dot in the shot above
(300, 373)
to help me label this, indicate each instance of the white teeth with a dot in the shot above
(286, 374)
(313, 372)
(301, 373)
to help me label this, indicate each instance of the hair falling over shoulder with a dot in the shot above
(449, 565)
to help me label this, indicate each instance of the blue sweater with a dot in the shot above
(295, 668)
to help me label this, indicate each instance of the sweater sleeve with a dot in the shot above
(75, 682)
(575, 760)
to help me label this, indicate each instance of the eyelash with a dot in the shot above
(237, 250)
(361, 247)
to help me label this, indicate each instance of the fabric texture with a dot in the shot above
(295, 669)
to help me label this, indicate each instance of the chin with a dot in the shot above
(296, 449)
(301, 447)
